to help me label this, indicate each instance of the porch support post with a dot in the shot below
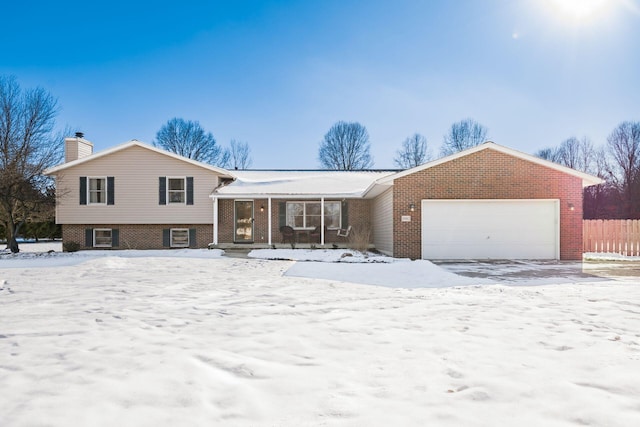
(215, 220)
(269, 218)
(322, 220)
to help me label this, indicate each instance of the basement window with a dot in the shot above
(179, 237)
(102, 237)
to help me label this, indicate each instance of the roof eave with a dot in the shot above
(587, 179)
(215, 195)
(54, 170)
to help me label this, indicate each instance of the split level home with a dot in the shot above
(487, 202)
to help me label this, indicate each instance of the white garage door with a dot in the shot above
(490, 229)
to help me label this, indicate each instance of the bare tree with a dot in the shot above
(188, 139)
(239, 155)
(28, 146)
(346, 147)
(464, 134)
(574, 153)
(624, 148)
(551, 154)
(601, 201)
(577, 154)
(414, 152)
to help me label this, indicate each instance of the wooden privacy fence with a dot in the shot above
(620, 236)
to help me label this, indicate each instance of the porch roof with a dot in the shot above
(303, 184)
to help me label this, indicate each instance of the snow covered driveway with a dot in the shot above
(233, 342)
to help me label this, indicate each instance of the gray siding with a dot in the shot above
(136, 171)
(382, 219)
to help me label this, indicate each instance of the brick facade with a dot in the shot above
(137, 236)
(487, 174)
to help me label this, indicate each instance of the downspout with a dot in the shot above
(215, 221)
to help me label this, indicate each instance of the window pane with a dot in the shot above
(97, 190)
(295, 216)
(176, 197)
(176, 190)
(176, 184)
(96, 184)
(332, 215)
(180, 237)
(102, 238)
(313, 208)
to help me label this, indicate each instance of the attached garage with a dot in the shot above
(490, 229)
(488, 202)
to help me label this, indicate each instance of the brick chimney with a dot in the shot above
(77, 147)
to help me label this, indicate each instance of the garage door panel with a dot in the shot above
(512, 229)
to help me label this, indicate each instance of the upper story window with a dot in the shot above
(301, 215)
(97, 191)
(176, 190)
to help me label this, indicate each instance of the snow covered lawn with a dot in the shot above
(167, 339)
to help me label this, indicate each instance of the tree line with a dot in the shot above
(617, 161)
(346, 147)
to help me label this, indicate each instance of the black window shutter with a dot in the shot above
(162, 190)
(282, 214)
(115, 237)
(189, 190)
(345, 214)
(166, 237)
(110, 190)
(192, 238)
(88, 237)
(83, 190)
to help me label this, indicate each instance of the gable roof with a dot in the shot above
(587, 179)
(134, 143)
(303, 184)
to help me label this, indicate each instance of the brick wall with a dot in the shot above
(487, 174)
(137, 236)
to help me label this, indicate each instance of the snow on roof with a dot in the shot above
(301, 183)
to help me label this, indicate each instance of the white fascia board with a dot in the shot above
(283, 196)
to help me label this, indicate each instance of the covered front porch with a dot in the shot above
(302, 209)
(303, 222)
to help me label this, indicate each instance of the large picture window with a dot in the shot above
(176, 190)
(97, 191)
(307, 215)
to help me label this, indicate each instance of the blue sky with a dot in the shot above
(279, 74)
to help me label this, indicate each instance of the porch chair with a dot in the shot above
(314, 236)
(288, 234)
(344, 232)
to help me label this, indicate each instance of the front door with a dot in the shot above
(244, 221)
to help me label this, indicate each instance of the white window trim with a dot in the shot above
(184, 199)
(95, 245)
(304, 214)
(171, 238)
(106, 190)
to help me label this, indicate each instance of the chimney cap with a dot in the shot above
(79, 135)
